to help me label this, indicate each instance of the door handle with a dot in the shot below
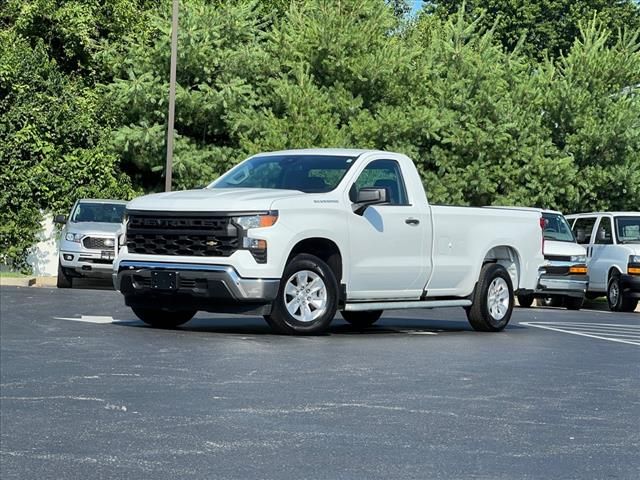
(412, 221)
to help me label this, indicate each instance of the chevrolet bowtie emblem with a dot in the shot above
(211, 243)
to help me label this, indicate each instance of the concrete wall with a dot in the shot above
(43, 257)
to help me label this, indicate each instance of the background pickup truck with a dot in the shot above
(297, 235)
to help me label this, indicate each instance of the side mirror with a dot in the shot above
(369, 196)
(62, 219)
(602, 235)
(580, 235)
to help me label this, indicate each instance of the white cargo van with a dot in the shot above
(612, 240)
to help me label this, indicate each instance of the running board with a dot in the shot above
(364, 306)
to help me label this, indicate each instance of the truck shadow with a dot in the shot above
(92, 284)
(243, 325)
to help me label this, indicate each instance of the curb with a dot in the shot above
(43, 282)
(28, 282)
(16, 282)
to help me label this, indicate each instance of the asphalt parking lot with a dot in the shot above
(87, 391)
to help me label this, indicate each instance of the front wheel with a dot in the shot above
(362, 319)
(307, 299)
(616, 299)
(163, 318)
(525, 300)
(492, 300)
(63, 280)
(573, 303)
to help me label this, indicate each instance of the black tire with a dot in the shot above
(525, 300)
(159, 318)
(616, 299)
(63, 280)
(362, 319)
(573, 303)
(550, 302)
(479, 314)
(282, 321)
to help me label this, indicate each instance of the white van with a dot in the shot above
(612, 240)
(562, 278)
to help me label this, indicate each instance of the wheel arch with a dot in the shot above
(613, 270)
(509, 258)
(325, 249)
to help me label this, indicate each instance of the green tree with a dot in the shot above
(220, 60)
(52, 120)
(593, 111)
(549, 26)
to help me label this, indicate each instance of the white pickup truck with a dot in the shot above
(297, 235)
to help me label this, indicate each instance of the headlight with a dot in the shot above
(256, 221)
(579, 258)
(634, 259)
(73, 237)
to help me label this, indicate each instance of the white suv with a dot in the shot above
(612, 240)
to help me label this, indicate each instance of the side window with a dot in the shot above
(605, 232)
(384, 174)
(582, 229)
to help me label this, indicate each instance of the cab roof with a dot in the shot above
(613, 214)
(102, 200)
(337, 152)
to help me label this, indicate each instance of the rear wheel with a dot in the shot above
(307, 299)
(492, 300)
(573, 303)
(159, 318)
(362, 319)
(525, 300)
(63, 280)
(616, 299)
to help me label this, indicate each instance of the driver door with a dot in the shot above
(388, 242)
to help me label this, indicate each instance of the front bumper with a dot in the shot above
(87, 263)
(630, 285)
(199, 286)
(565, 285)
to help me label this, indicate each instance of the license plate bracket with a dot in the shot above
(161, 280)
(107, 255)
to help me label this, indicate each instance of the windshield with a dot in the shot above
(98, 212)
(628, 229)
(557, 228)
(306, 173)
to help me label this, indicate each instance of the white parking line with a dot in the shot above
(89, 319)
(599, 330)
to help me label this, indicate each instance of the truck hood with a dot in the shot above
(94, 228)
(553, 247)
(212, 200)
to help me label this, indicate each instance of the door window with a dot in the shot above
(582, 229)
(384, 174)
(604, 235)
